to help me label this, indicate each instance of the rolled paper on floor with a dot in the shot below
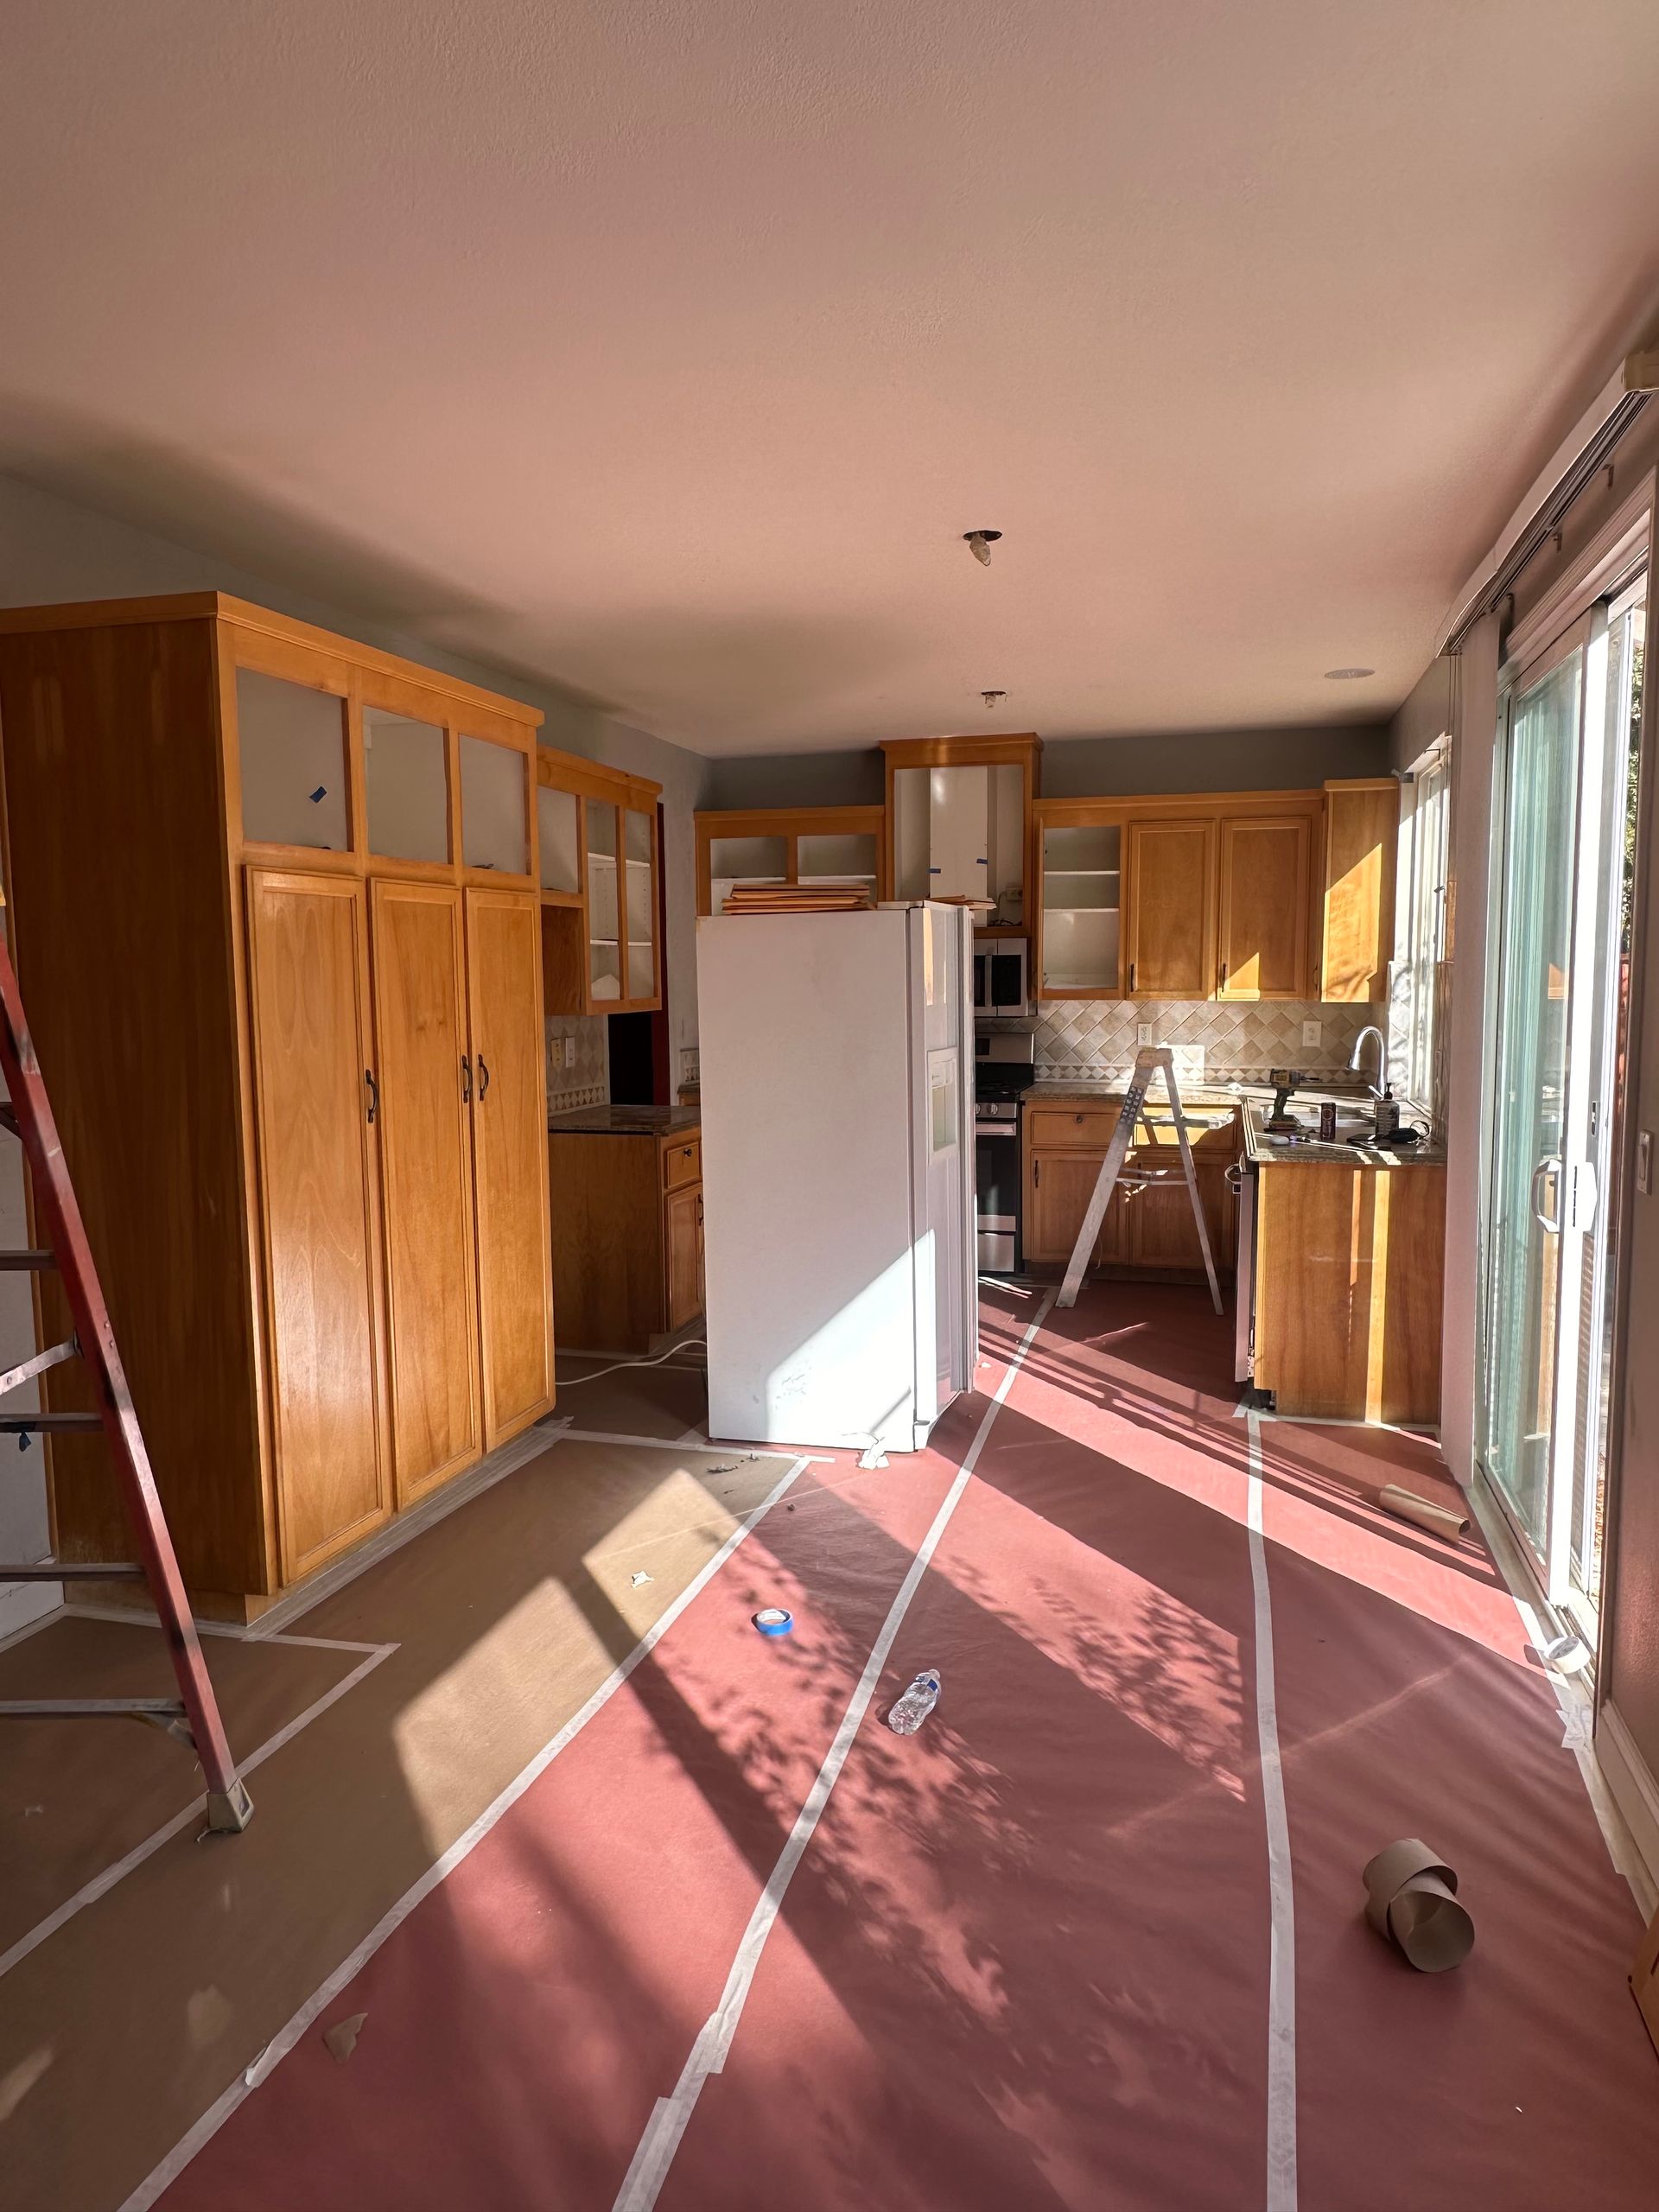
(1411, 1900)
(1406, 1505)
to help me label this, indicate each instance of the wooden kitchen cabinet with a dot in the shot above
(1348, 1279)
(627, 1200)
(1264, 905)
(600, 887)
(1362, 827)
(297, 890)
(509, 1110)
(959, 821)
(308, 969)
(1148, 1226)
(802, 844)
(1170, 933)
(423, 1057)
(1058, 1186)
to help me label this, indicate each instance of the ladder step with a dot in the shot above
(17, 1262)
(45, 1424)
(91, 1708)
(69, 1348)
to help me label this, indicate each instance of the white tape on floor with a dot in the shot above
(668, 2119)
(280, 2045)
(101, 1885)
(1281, 1955)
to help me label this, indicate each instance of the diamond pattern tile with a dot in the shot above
(1088, 1039)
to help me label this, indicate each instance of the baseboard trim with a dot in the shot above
(1635, 1791)
(22, 1603)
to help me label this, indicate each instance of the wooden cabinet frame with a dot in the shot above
(1222, 812)
(792, 824)
(1023, 749)
(131, 928)
(566, 974)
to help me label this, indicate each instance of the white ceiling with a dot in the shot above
(666, 350)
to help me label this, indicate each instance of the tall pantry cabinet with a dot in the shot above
(273, 901)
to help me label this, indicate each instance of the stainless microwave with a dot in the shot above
(1002, 977)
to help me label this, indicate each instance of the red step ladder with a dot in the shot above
(192, 1718)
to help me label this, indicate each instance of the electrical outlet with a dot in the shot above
(570, 1052)
(1143, 1032)
(1311, 1032)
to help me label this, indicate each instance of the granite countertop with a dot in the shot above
(625, 1120)
(1264, 1151)
(1203, 1103)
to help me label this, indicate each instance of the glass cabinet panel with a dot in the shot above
(744, 860)
(1082, 902)
(292, 744)
(407, 788)
(559, 856)
(604, 931)
(494, 822)
(639, 905)
(846, 858)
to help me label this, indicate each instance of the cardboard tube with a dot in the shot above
(1406, 1505)
(1411, 1900)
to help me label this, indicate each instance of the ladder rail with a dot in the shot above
(58, 1213)
(1150, 1060)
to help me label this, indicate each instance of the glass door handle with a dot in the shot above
(1549, 1165)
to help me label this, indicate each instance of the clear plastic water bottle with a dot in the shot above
(917, 1701)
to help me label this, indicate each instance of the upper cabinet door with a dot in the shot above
(293, 763)
(1266, 896)
(1362, 825)
(426, 1180)
(314, 1097)
(515, 1293)
(1171, 938)
(638, 879)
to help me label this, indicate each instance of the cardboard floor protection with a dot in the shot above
(1023, 1961)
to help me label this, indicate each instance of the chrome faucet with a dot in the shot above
(1381, 1083)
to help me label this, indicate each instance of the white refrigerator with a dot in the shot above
(837, 1070)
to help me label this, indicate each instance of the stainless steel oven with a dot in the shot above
(1001, 977)
(1002, 1073)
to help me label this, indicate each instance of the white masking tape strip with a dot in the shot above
(215, 2117)
(1281, 1956)
(668, 2119)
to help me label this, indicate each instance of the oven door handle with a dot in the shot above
(996, 1128)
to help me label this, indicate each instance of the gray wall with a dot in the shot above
(1427, 715)
(1084, 767)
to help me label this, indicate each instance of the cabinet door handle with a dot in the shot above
(1078, 1118)
(685, 1152)
(699, 1209)
(1131, 975)
(466, 1081)
(483, 1079)
(1223, 975)
(374, 1092)
(1036, 1173)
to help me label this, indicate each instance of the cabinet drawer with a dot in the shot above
(1066, 1128)
(682, 1161)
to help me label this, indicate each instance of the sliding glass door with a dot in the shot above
(1524, 1171)
(1565, 819)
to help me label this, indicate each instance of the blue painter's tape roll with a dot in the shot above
(774, 1621)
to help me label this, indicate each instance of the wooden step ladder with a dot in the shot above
(1148, 1062)
(192, 1717)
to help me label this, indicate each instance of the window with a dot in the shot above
(1417, 1006)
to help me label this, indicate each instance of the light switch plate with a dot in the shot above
(1143, 1032)
(1311, 1032)
(570, 1052)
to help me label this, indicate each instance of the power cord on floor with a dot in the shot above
(683, 1343)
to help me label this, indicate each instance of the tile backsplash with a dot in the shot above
(1086, 1040)
(588, 1082)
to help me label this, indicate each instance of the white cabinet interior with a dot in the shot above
(1082, 906)
(959, 833)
